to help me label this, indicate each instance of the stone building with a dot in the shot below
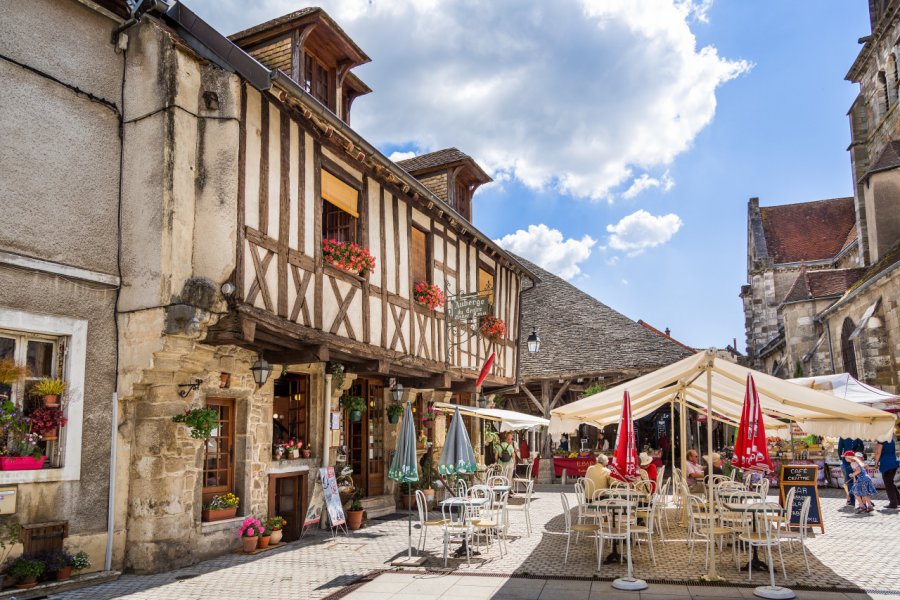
(823, 277)
(208, 174)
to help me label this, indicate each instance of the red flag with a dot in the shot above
(485, 370)
(624, 466)
(751, 451)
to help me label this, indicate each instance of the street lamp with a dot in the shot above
(397, 391)
(482, 401)
(534, 342)
(261, 369)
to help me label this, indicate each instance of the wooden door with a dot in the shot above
(365, 440)
(287, 498)
(218, 465)
(355, 438)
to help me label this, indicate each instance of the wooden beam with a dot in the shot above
(382, 367)
(248, 330)
(559, 394)
(533, 399)
(463, 386)
(441, 381)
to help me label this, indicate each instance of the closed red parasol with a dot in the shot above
(624, 466)
(751, 451)
(485, 370)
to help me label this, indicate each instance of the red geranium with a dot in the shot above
(429, 294)
(492, 328)
(348, 256)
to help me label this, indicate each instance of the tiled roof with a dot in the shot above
(851, 237)
(822, 283)
(581, 336)
(663, 334)
(438, 158)
(807, 231)
(888, 159)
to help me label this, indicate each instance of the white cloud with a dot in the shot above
(546, 248)
(398, 156)
(573, 95)
(640, 230)
(645, 182)
(624, 282)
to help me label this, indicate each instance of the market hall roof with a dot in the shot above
(582, 337)
(808, 231)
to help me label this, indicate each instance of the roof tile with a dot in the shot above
(808, 231)
(822, 283)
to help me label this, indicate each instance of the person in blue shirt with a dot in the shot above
(856, 445)
(886, 461)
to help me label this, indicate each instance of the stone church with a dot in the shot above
(823, 282)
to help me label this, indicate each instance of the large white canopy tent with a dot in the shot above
(684, 382)
(509, 420)
(844, 385)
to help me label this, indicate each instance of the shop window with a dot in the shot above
(290, 412)
(419, 256)
(218, 466)
(340, 209)
(486, 284)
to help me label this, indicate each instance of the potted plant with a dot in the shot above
(249, 532)
(305, 452)
(426, 480)
(58, 563)
(50, 389)
(26, 571)
(80, 561)
(348, 256)
(10, 373)
(429, 415)
(492, 328)
(355, 512)
(265, 536)
(276, 524)
(46, 421)
(9, 537)
(221, 507)
(293, 448)
(355, 405)
(201, 421)
(22, 451)
(407, 495)
(429, 295)
(394, 410)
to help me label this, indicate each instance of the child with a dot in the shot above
(863, 488)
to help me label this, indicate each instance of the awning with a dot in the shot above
(510, 420)
(845, 386)
(814, 411)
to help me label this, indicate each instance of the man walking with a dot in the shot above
(886, 461)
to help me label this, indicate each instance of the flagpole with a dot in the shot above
(711, 574)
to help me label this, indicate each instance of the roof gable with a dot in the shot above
(443, 158)
(808, 231)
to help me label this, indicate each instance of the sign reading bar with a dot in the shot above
(468, 307)
(803, 478)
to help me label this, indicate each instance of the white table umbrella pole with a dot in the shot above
(629, 583)
(711, 574)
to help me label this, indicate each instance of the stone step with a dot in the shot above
(379, 506)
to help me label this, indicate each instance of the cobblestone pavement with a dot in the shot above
(856, 552)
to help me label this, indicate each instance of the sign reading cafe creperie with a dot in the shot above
(468, 307)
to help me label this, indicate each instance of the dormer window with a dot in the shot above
(319, 82)
(451, 175)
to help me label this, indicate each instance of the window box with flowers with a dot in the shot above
(492, 328)
(46, 422)
(20, 450)
(221, 507)
(429, 295)
(348, 256)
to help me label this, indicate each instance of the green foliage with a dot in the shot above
(353, 403)
(24, 568)
(337, 374)
(394, 410)
(49, 387)
(491, 437)
(594, 388)
(426, 479)
(798, 369)
(201, 421)
(356, 504)
(500, 400)
(80, 561)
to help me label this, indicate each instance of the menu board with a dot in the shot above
(332, 496)
(803, 478)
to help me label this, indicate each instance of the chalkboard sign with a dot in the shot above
(803, 478)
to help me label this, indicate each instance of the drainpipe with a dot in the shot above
(326, 421)
(111, 513)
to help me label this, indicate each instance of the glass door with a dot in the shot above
(375, 425)
(218, 467)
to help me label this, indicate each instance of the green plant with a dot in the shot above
(26, 568)
(276, 523)
(337, 374)
(223, 501)
(353, 403)
(10, 528)
(356, 504)
(426, 479)
(201, 421)
(10, 372)
(500, 400)
(80, 561)
(394, 410)
(408, 487)
(56, 560)
(49, 387)
(491, 437)
(798, 369)
(594, 388)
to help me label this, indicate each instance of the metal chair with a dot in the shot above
(578, 528)
(462, 488)
(611, 527)
(457, 529)
(762, 536)
(523, 480)
(647, 529)
(490, 521)
(801, 532)
(703, 525)
(424, 521)
(497, 480)
(524, 508)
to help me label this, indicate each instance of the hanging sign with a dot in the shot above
(803, 478)
(468, 307)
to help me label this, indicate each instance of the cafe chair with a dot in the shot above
(647, 529)
(763, 535)
(783, 521)
(457, 529)
(800, 534)
(590, 529)
(462, 488)
(424, 521)
(703, 524)
(615, 526)
(517, 481)
(497, 480)
(524, 508)
(490, 524)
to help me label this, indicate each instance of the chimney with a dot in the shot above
(668, 331)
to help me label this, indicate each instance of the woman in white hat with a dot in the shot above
(648, 469)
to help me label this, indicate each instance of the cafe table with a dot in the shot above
(616, 505)
(461, 504)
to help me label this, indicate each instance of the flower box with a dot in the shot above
(220, 514)
(348, 256)
(429, 295)
(21, 463)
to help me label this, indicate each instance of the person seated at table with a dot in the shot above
(648, 469)
(716, 463)
(694, 473)
(599, 473)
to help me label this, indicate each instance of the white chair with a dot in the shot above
(424, 521)
(614, 525)
(497, 480)
(703, 525)
(491, 521)
(457, 529)
(647, 530)
(660, 478)
(800, 534)
(462, 488)
(764, 536)
(783, 521)
(578, 528)
(523, 480)
(524, 507)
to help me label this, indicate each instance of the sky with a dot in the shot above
(625, 137)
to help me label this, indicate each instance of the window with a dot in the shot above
(218, 466)
(486, 284)
(318, 80)
(290, 412)
(340, 209)
(419, 256)
(462, 201)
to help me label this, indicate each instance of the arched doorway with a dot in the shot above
(848, 353)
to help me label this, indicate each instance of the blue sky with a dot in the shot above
(569, 104)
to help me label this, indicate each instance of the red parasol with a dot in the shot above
(751, 451)
(485, 370)
(624, 466)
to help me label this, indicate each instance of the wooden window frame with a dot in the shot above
(429, 260)
(208, 492)
(330, 211)
(335, 170)
(302, 433)
(483, 267)
(312, 71)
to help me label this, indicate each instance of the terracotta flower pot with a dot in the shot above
(354, 519)
(407, 501)
(51, 401)
(218, 515)
(264, 541)
(250, 543)
(53, 434)
(26, 583)
(275, 538)
(64, 573)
